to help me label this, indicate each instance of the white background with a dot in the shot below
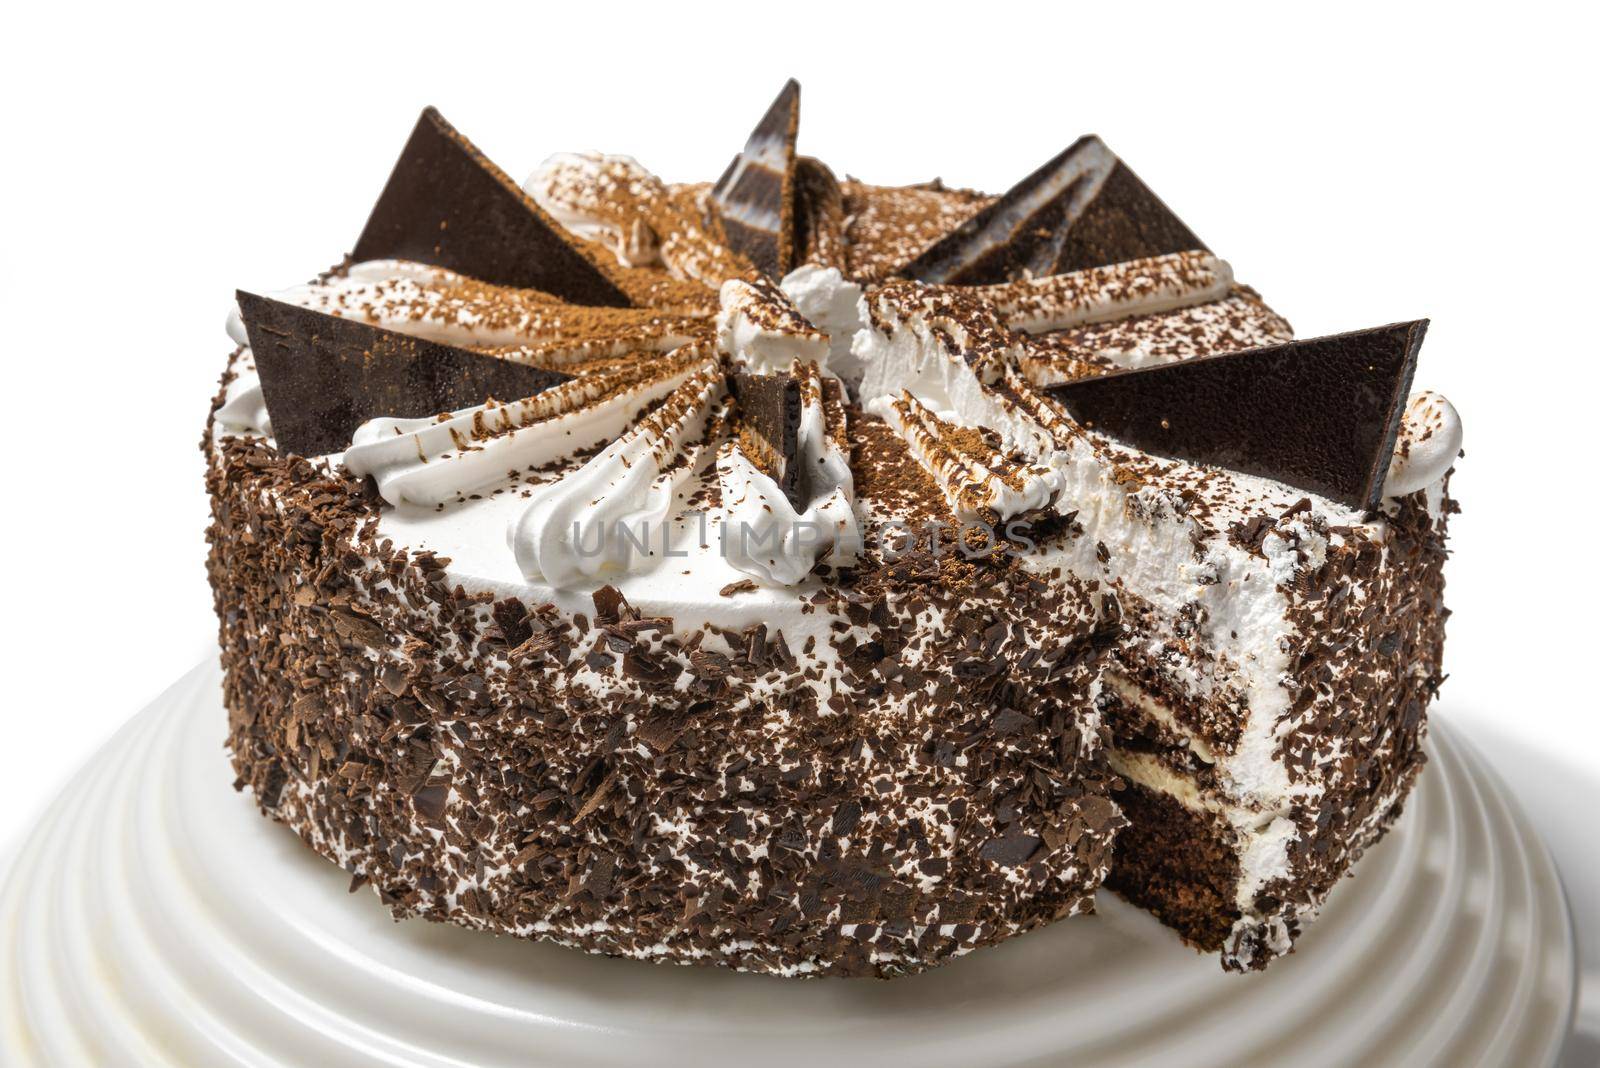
(1358, 164)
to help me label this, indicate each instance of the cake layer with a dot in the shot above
(1180, 864)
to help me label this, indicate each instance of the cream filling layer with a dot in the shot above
(1262, 837)
(1158, 712)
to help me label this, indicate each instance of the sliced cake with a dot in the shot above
(817, 578)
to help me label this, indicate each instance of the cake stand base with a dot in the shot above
(153, 917)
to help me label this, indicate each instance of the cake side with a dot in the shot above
(1363, 626)
(606, 780)
(1279, 648)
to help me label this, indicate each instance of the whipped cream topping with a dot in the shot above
(1429, 442)
(976, 480)
(629, 526)
(443, 306)
(762, 330)
(448, 458)
(929, 341)
(428, 461)
(569, 187)
(927, 392)
(827, 298)
(613, 514)
(934, 357)
(633, 213)
(1237, 322)
(1116, 291)
(815, 317)
(244, 406)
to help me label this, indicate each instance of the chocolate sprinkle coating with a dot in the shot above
(1321, 414)
(447, 205)
(706, 806)
(1082, 209)
(323, 376)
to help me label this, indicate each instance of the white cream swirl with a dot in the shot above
(244, 406)
(440, 305)
(433, 460)
(760, 328)
(568, 185)
(614, 513)
(638, 217)
(1115, 291)
(1430, 440)
(974, 478)
(828, 299)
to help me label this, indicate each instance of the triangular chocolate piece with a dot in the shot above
(754, 198)
(447, 205)
(1321, 415)
(818, 215)
(769, 424)
(323, 376)
(1083, 209)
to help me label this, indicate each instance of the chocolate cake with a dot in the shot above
(819, 578)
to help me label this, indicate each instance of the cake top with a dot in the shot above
(811, 363)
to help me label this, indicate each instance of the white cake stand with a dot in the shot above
(154, 918)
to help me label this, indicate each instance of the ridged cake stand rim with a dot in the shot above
(114, 975)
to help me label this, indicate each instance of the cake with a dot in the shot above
(818, 578)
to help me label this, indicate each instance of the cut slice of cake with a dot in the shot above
(1278, 646)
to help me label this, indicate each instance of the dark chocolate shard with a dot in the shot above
(753, 201)
(1082, 209)
(323, 376)
(1011, 850)
(818, 215)
(769, 411)
(430, 802)
(447, 205)
(1321, 415)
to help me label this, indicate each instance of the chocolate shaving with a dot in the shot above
(1011, 850)
(754, 199)
(447, 205)
(430, 801)
(770, 409)
(1082, 209)
(1321, 415)
(322, 376)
